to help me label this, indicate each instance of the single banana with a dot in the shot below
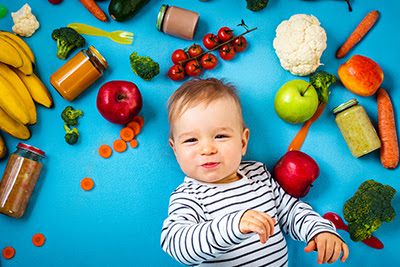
(9, 55)
(27, 66)
(21, 89)
(21, 42)
(13, 127)
(11, 102)
(36, 88)
(3, 149)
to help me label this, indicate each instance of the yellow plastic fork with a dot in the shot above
(121, 37)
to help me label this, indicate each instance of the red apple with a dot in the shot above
(295, 172)
(119, 101)
(361, 75)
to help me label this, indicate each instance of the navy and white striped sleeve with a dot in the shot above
(296, 217)
(190, 239)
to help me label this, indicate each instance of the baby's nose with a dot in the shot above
(208, 148)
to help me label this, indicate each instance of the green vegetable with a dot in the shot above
(67, 39)
(321, 80)
(256, 5)
(122, 10)
(368, 208)
(71, 136)
(144, 67)
(70, 115)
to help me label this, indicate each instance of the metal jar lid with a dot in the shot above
(160, 16)
(99, 56)
(31, 149)
(345, 105)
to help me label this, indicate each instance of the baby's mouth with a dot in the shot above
(210, 165)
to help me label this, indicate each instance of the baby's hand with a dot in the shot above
(258, 222)
(329, 248)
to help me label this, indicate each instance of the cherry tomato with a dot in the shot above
(227, 52)
(176, 72)
(178, 55)
(193, 68)
(195, 50)
(239, 44)
(208, 61)
(225, 34)
(210, 41)
(55, 2)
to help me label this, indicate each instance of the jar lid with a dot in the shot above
(31, 148)
(345, 105)
(100, 57)
(160, 16)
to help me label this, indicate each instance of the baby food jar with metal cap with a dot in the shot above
(356, 128)
(19, 179)
(177, 21)
(78, 73)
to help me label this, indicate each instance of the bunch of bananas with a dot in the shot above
(20, 88)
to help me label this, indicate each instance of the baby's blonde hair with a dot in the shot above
(200, 91)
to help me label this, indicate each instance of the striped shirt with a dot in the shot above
(202, 227)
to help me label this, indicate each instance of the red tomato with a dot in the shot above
(176, 72)
(208, 61)
(240, 44)
(227, 52)
(195, 50)
(193, 68)
(225, 34)
(178, 55)
(210, 41)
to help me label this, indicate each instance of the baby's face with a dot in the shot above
(209, 142)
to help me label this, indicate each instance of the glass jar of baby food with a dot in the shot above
(356, 128)
(19, 179)
(78, 73)
(177, 21)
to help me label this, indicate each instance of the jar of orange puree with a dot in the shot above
(78, 73)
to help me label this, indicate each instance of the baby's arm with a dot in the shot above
(329, 248)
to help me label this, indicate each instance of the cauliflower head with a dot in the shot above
(299, 44)
(25, 23)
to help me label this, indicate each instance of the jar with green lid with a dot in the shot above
(356, 128)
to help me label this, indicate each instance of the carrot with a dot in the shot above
(38, 239)
(127, 134)
(133, 143)
(362, 28)
(87, 184)
(105, 151)
(93, 8)
(8, 252)
(387, 131)
(135, 126)
(298, 140)
(139, 119)
(120, 145)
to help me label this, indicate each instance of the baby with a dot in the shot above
(230, 212)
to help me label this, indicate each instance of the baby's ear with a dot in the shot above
(245, 140)
(172, 145)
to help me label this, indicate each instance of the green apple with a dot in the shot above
(296, 101)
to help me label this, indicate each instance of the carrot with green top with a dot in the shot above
(362, 29)
(387, 131)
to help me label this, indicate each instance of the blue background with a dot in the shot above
(119, 222)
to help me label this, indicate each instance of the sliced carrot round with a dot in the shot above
(139, 119)
(120, 145)
(8, 252)
(38, 239)
(105, 151)
(87, 184)
(127, 134)
(135, 126)
(133, 143)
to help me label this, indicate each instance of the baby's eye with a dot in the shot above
(190, 140)
(219, 136)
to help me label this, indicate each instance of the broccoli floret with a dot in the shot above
(256, 5)
(144, 67)
(321, 80)
(71, 136)
(368, 208)
(67, 39)
(70, 115)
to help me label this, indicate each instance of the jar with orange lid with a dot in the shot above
(78, 73)
(19, 179)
